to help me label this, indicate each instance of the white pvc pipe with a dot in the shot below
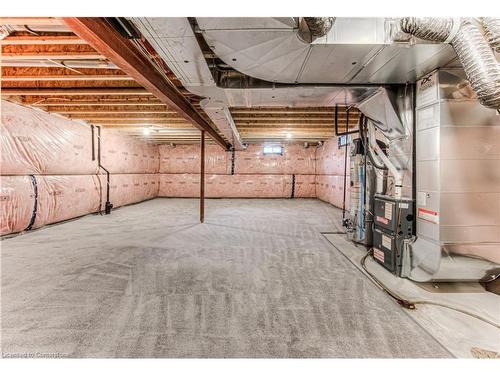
(373, 145)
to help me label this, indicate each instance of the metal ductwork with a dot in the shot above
(492, 32)
(311, 28)
(5, 31)
(476, 56)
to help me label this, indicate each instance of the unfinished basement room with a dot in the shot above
(250, 187)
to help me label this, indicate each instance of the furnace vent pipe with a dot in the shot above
(479, 62)
(492, 32)
(375, 148)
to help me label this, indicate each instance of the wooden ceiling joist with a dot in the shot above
(136, 122)
(111, 111)
(18, 40)
(72, 91)
(95, 102)
(34, 21)
(124, 54)
(139, 117)
(67, 77)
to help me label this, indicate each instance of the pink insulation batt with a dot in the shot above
(121, 153)
(295, 160)
(36, 142)
(330, 159)
(226, 186)
(331, 189)
(58, 198)
(131, 188)
(58, 152)
(186, 159)
(17, 200)
(305, 186)
(65, 197)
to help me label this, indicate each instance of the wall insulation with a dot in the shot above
(330, 162)
(50, 172)
(300, 172)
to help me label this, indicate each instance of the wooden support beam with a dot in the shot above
(124, 54)
(202, 177)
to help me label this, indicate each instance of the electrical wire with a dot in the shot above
(411, 304)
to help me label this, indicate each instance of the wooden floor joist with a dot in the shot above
(97, 102)
(35, 21)
(41, 40)
(72, 91)
(67, 77)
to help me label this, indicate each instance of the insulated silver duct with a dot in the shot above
(319, 26)
(476, 56)
(311, 28)
(492, 32)
(5, 31)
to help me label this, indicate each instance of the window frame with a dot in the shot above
(272, 149)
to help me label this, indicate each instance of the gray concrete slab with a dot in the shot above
(256, 280)
(460, 333)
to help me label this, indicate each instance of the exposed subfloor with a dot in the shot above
(258, 279)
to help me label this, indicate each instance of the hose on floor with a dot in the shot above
(411, 304)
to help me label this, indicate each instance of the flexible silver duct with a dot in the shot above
(476, 56)
(311, 28)
(319, 26)
(492, 32)
(5, 31)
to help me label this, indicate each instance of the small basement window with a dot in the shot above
(273, 150)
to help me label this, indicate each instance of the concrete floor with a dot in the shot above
(256, 280)
(463, 335)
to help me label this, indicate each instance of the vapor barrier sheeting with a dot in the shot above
(50, 171)
(37, 142)
(124, 154)
(296, 159)
(132, 188)
(33, 201)
(330, 159)
(186, 159)
(226, 186)
(331, 189)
